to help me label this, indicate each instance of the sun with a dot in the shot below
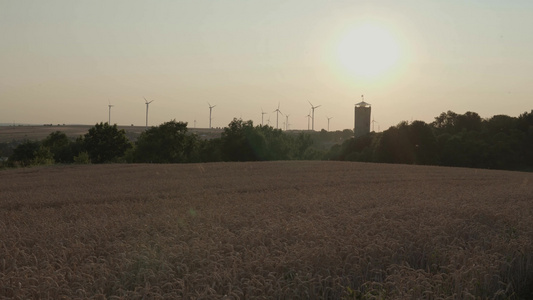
(368, 51)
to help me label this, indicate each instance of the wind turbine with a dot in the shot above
(277, 115)
(147, 103)
(210, 110)
(287, 122)
(262, 116)
(329, 118)
(109, 122)
(308, 119)
(313, 108)
(373, 121)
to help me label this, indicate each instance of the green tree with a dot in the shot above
(525, 122)
(105, 143)
(60, 146)
(313, 154)
(463, 149)
(278, 145)
(43, 156)
(302, 143)
(395, 146)
(505, 142)
(500, 123)
(505, 151)
(24, 154)
(240, 142)
(210, 150)
(6, 149)
(406, 143)
(82, 158)
(445, 122)
(356, 149)
(470, 121)
(451, 122)
(525, 125)
(168, 143)
(423, 142)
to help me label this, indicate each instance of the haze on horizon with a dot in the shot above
(62, 61)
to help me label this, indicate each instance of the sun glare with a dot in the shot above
(368, 51)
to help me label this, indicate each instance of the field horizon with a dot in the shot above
(256, 230)
(40, 132)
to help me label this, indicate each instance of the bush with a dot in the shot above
(105, 143)
(82, 158)
(43, 156)
(167, 143)
(60, 146)
(24, 154)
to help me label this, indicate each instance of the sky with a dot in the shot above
(64, 61)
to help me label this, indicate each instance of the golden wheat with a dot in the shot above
(287, 230)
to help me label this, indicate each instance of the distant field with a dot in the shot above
(276, 230)
(18, 133)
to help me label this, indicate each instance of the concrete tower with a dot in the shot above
(362, 118)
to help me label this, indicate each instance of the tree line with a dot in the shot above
(170, 142)
(459, 140)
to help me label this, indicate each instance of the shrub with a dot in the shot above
(82, 158)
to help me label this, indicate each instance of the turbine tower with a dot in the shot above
(308, 119)
(277, 111)
(374, 121)
(313, 108)
(287, 122)
(210, 111)
(329, 118)
(262, 117)
(109, 121)
(147, 103)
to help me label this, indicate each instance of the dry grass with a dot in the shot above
(280, 230)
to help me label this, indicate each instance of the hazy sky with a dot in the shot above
(61, 61)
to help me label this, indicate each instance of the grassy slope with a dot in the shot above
(277, 229)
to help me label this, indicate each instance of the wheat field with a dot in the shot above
(274, 230)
